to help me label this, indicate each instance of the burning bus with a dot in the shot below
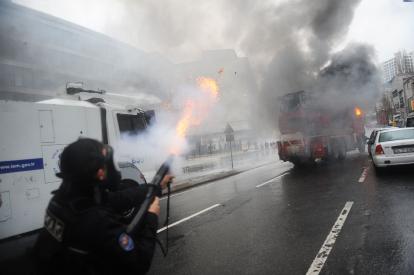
(311, 131)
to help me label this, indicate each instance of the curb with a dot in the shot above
(203, 179)
(190, 183)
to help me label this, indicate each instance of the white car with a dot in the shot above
(393, 147)
(373, 136)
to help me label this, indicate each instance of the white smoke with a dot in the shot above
(150, 148)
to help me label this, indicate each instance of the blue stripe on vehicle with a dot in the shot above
(13, 166)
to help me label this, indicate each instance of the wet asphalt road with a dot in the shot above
(279, 227)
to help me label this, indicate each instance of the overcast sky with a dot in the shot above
(387, 24)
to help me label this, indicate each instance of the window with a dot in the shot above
(401, 99)
(131, 124)
(410, 122)
(397, 135)
(291, 102)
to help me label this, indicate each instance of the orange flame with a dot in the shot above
(196, 110)
(358, 112)
(187, 119)
(208, 85)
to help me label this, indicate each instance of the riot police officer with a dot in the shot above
(83, 234)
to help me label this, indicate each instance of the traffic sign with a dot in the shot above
(229, 133)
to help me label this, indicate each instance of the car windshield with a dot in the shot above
(397, 135)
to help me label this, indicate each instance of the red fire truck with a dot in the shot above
(312, 130)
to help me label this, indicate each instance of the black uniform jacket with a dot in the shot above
(82, 237)
(127, 197)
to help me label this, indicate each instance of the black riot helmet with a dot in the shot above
(80, 160)
(113, 176)
(79, 163)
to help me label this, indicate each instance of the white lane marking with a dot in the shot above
(363, 175)
(327, 246)
(189, 217)
(176, 194)
(192, 189)
(273, 179)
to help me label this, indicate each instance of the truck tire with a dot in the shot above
(342, 150)
(338, 150)
(129, 214)
(299, 163)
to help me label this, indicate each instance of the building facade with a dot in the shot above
(399, 92)
(401, 63)
(408, 85)
(40, 53)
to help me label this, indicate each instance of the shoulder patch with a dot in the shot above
(126, 242)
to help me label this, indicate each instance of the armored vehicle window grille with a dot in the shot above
(131, 124)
